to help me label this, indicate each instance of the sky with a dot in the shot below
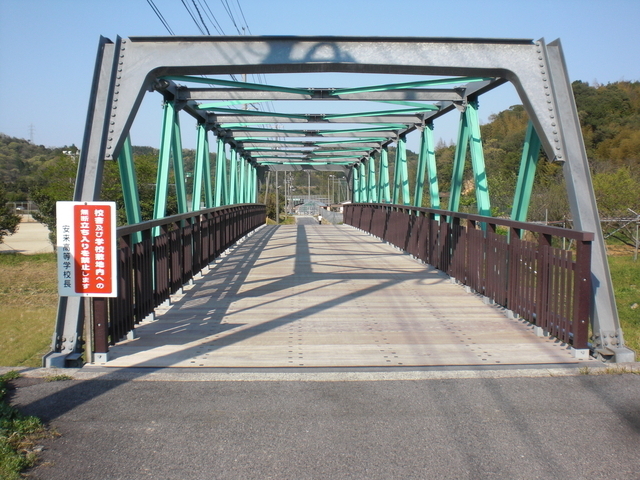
(48, 47)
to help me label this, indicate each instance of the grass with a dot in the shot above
(28, 300)
(625, 274)
(18, 434)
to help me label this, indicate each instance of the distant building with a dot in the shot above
(311, 208)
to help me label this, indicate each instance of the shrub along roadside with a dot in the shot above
(18, 434)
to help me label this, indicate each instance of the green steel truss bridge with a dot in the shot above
(338, 129)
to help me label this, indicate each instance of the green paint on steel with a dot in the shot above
(242, 182)
(244, 85)
(364, 194)
(423, 108)
(312, 143)
(458, 164)
(526, 175)
(356, 184)
(384, 192)
(221, 175)
(178, 167)
(233, 178)
(208, 190)
(311, 164)
(130, 187)
(434, 191)
(199, 169)
(162, 177)
(372, 191)
(401, 176)
(252, 112)
(477, 160)
(397, 86)
(421, 169)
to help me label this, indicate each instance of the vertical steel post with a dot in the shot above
(371, 180)
(434, 191)
(401, 177)
(420, 171)
(356, 184)
(178, 166)
(242, 182)
(384, 193)
(221, 175)
(233, 178)
(458, 164)
(363, 183)
(201, 159)
(129, 181)
(162, 177)
(477, 160)
(526, 175)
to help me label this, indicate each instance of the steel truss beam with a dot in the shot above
(127, 69)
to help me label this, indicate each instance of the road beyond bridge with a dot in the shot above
(329, 296)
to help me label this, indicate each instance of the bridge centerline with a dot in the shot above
(342, 322)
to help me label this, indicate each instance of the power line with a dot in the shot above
(192, 17)
(225, 4)
(200, 15)
(212, 18)
(160, 16)
(243, 17)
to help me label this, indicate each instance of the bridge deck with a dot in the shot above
(323, 296)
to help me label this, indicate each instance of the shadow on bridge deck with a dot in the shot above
(329, 296)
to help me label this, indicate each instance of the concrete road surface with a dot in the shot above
(181, 424)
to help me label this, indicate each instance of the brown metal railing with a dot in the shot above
(158, 266)
(520, 266)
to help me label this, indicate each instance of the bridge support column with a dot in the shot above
(384, 192)
(401, 175)
(202, 174)
(355, 195)
(526, 175)
(371, 180)
(233, 178)
(221, 175)
(364, 197)
(477, 160)
(457, 175)
(130, 187)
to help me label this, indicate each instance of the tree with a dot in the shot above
(8, 220)
(58, 181)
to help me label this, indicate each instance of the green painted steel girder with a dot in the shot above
(242, 180)
(458, 164)
(401, 176)
(425, 83)
(129, 181)
(162, 176)
(229, 83)
(477, 160)
(364, 196)
(372, 192)
(202, 171)
(384, 189)
(221, 176)
(526, 174)
(178, 167)
(233, 178)
(421, 169)
(355, 191)
(432, 169)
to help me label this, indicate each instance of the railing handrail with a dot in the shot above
(125, 230)
(578, 235)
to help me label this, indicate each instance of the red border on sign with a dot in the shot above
(92, 249)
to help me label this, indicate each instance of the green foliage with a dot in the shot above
(17, 433)
(625, 274)
(8, 220)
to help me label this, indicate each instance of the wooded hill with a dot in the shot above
(609, 115)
